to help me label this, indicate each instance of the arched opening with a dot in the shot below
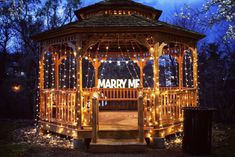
(148, 74)
(67, 72)
(168, 71)
(49, 71)
(88, 74)
(188, 69)
(116, 73)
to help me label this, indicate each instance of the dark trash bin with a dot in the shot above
(197, 130)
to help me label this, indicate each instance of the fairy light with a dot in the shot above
(63, 74)
(69, 72)
(66, 74)
(118, 63)
(53, 69)
(125, 62)
(186, 70)
(37, 113)
(190, 69)
(169, 71)
(144, 77)
(164, 70)
(46, 71)
(88, 71)
(176, 73)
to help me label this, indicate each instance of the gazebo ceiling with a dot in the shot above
(118, 46)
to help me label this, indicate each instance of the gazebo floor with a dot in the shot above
(114, 124)
(118, 120)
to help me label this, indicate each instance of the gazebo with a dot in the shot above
(117, 70)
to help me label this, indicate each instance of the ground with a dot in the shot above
(18, 138)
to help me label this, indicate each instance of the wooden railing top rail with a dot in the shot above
(87, 91)
(58, 90)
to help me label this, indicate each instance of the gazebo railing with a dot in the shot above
(114, 94)
(58, 106)
(172, 101)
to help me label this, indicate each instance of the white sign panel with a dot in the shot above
(118, 83)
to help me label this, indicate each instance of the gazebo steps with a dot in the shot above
(118, 134)
(117, 145)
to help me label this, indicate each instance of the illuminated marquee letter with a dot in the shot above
(133, 83)
(101, 83)
(113, 83)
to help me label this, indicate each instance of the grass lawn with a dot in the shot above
(10, 148)
(227, 147)
(7, 146)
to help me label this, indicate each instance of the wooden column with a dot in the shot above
(41, 87)
(141, 73)
(95, 109)
(43, 107)
(41, 72)
(141, 65)
(79, 102)
(156, 52)
(156, 84)
(96, 64)
(56, 63)
(180, 76)
(141, 116)
(195, 73)
(96, 76)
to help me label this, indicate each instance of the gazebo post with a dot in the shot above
(95, 109)
(180, 75)
(195, 74)
(41, 84)
(140, 64)
(79, 93)
(141, 115)
(96, 65)
(56, 63)
(44, 49)
(78, 142)
(41, 70)
(156, 51)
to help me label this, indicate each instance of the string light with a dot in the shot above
(69, 74)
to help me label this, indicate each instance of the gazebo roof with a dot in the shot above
(117, 5)
(92, 20)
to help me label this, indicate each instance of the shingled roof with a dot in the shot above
(116, 23)
(118, 4)
(115, 20)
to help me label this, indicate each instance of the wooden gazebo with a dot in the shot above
(81, 96)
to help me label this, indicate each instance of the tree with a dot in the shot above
(69, 8)
(57, 13)
(185, 17)
(212, 13)
(5, 37)
(19, 20)
(216, 58)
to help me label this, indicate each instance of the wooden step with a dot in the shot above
(117, 145)
(120, 134)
